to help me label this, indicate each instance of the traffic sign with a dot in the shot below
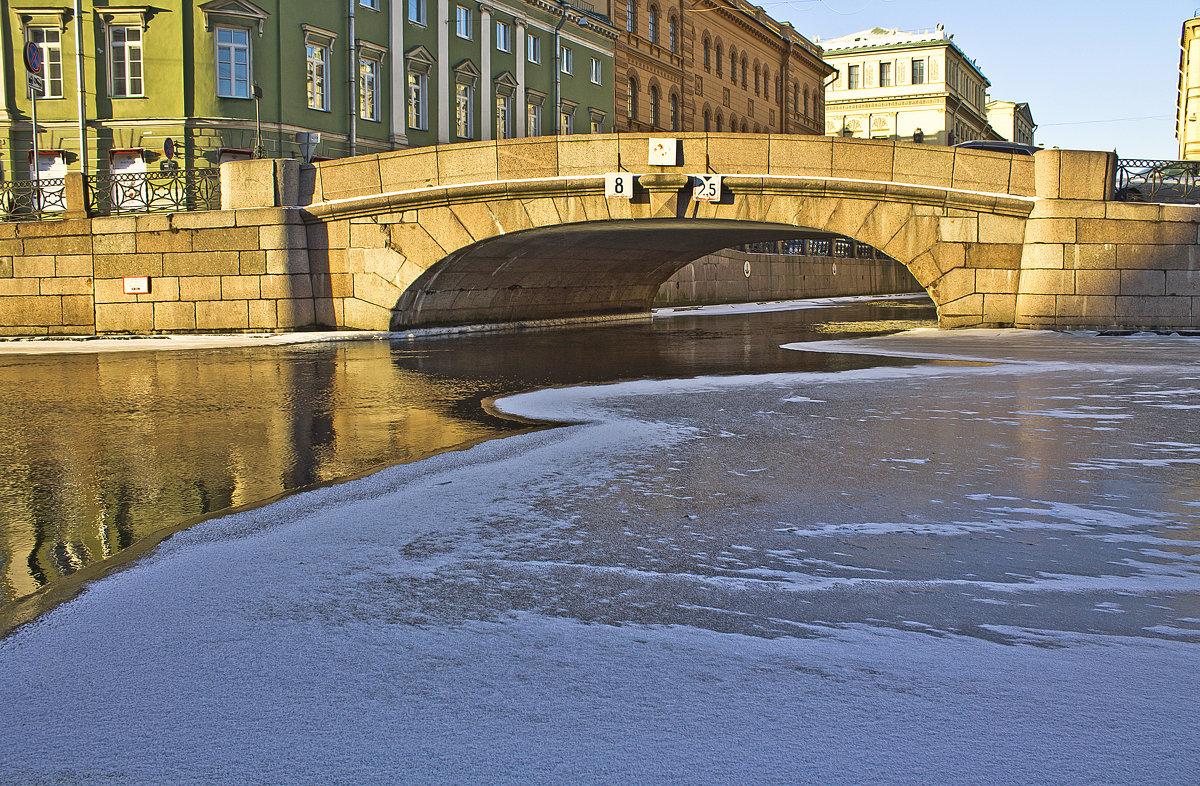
(33, 58)
(169, 148)
(36, 84)
(706, 188)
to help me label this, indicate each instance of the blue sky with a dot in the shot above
(1098, 75)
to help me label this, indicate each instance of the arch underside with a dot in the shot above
(571, 271)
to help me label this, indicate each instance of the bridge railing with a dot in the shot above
(1148, 180)
(839, 248)
(108, 194)
(169, 191)
(26, 200)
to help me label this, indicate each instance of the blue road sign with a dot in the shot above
(33, 58)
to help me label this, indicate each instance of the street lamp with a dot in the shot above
(258, 145)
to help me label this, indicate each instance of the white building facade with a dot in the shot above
(912, 87)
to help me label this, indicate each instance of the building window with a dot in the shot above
(597, 125)
(49, 40)
(318, 77)
(368, 88)
(745, 73)
(632, 99)
(597, 72)
(852, 77)
(674, 107)
(462, 22)
(233, 62)
(673, 33)
(533, 118)
(504, 118)
(566, 119)
(885, 74)
(125, 61)
(707, 120)
(654, 106)
(707, 54)
(630, 16)
(652, 24)
(757, 81)
(503, 36)
(464, 108)
(918, 72)
(766, 84)
(806, 101)
(566, 60)
(372, 4)
(733, 65)
(533, 49)
(416, 12)
(718, 60)
(418, 111)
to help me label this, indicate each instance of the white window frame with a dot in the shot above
(126, 84)
(232, 47)
(504, 37)
(464, 110)
(463, 23)
(566, 60)
(918, 61)
(418, 100)
(51, 56)
(418, 12)
(597, 72)
(504, 116)
(317, 84)
(369, 93)
(533, 49)
(372, 4)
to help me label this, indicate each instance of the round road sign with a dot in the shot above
(33, 58)
(169, 148)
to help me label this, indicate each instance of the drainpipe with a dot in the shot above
(353, 82)
(81, 106)
(562, 10)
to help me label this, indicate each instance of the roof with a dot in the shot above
(880, 38)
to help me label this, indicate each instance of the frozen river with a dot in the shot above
(981, 566)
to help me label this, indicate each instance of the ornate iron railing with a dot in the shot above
(1144, 180)
(151, 192)
(25, 200)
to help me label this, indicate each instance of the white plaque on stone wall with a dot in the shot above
(706, 188)
(136, 285)
(619, 185)
(664, 152)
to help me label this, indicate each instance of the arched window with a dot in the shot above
(745, 72)
(733, 64)
(654, 105)
(719, 129)
(757, 82)
(806, 101)
(733, 124)
(719, 60)
(630, 16)
(674, 105)
(673, 33)
(795, 96)
(707, 120)
(652, 24)
(633, 94)
(766, 84)
(707, 53)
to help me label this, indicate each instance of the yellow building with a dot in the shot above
(1012, 121)
(1187, 117)
(914, 87)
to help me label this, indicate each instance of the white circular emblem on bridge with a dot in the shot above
(746, 268)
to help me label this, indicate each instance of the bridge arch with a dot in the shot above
(521, 230)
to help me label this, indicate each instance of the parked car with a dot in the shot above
(1001, 146)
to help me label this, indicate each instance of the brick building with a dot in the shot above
(714, 65)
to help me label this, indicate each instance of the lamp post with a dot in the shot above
(258, 145)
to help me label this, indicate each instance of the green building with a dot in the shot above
(189, 83)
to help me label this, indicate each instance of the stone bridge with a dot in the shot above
(521, 231)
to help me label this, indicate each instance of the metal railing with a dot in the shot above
(25, 200)
(1145, 180)
(153, 192)
(841, 248)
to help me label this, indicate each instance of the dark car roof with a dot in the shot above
(999, 147)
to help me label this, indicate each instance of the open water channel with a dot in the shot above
(99, 451)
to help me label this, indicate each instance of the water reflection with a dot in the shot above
(98, 451)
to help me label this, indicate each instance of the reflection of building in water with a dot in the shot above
(105, 449)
